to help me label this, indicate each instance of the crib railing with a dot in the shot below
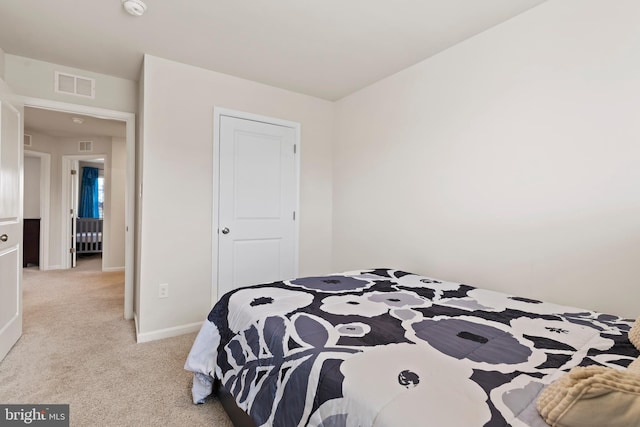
(88, 235)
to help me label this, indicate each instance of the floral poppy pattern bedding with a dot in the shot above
(389, 348)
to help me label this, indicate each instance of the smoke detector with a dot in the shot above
(134, 7)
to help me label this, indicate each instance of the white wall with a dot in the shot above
(509, 161)
(177, 183)
(31, 187)
(115, 181)
(2, 64)
(35, 79)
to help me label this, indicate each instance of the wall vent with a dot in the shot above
(75, 85)
(27, 140)
(85, 146)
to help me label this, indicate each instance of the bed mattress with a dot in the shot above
(388, 348)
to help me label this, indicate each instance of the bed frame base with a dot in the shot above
(239, 418)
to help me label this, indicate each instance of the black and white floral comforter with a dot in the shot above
(390, 348)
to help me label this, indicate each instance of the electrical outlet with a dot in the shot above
(163, 290)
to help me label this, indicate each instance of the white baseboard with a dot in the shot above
(112, 269)
(166, 333)
(53, 267)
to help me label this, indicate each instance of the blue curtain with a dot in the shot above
(89, 194)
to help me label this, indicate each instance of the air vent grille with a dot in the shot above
(85, 146)
(75, 85)
(27, 140)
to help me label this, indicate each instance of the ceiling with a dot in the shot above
(324, 48)
(56, 123)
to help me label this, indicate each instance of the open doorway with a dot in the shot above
(37, 190)
(92, 210)
(79, 144)
(77, 137)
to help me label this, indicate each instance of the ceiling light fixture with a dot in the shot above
(77, 120)
(134, 7)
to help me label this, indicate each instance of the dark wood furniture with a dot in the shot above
(31, 242)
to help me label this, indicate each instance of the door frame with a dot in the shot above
(45, 198)
(130, 190)
(218, 113)
(70, 162)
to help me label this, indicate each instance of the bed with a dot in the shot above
(88, 235)
(389, 348)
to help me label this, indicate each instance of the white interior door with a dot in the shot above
(10, 221)
(258, 198)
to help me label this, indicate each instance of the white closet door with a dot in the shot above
(257, 201)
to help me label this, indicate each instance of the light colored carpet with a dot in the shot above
(77, 349)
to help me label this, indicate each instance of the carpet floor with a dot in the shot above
(76, 348)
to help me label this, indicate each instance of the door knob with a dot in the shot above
(225, 230)
(4, 237)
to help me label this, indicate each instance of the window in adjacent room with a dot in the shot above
(101, 197)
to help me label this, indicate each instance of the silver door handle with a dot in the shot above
(225, 230)
(4, 237)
